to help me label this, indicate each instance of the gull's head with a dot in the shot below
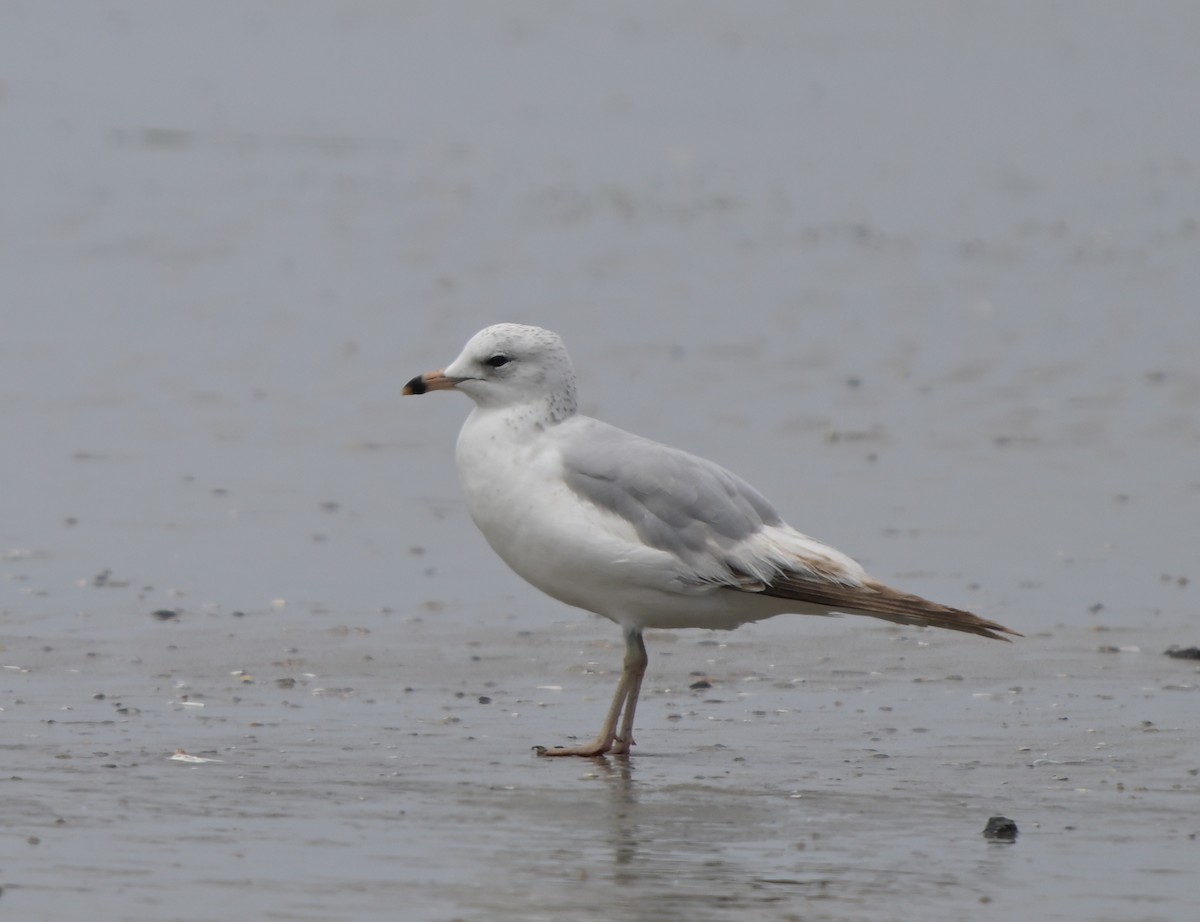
(508, 364)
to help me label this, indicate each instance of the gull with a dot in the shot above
(644, 534)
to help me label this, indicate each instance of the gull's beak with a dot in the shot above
(430, 381)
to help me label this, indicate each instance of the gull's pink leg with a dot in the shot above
(635, 666)
(625, 700)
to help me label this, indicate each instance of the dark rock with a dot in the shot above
(1176, 652)
(1000, 829)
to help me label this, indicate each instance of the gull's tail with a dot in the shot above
(880, 601)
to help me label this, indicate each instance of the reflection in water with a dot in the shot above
(687, 850)
(632, 838)
(617, 772)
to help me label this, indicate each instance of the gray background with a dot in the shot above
(924, 273)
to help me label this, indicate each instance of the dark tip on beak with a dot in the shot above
(430, 381)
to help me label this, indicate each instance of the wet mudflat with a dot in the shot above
(938, 305)
(820, 771)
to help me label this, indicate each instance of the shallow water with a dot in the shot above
(925, 278)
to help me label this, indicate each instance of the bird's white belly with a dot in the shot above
(521, 507)
(574, 552)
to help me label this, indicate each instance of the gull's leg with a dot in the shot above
(631, 680)
(635, 668)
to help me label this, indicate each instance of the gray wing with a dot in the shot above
(677, 502)
(700, 512)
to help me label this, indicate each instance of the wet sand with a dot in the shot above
(384, 767)
(926, 279)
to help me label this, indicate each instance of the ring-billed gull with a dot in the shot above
(643, 534)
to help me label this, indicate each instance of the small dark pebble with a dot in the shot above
(286, 683)
(1177, 652)
(165, 614)
(484, 699)
(696, 686)
(1001, 829)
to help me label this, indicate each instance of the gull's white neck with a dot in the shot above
(529, 417)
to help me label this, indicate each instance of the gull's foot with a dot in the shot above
(621, 747)
(592, 750)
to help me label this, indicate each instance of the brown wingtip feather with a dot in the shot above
(880, 601)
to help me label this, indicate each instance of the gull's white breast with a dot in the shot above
(511, 473)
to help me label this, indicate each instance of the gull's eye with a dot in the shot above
(497, 360)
